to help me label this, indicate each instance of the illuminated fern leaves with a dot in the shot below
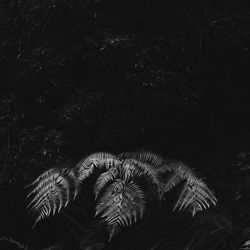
(150, 158)
(177, 172)
(104, 179)
(146, 164)
(195, 195)
(120, 200)
(135, 167)
(121, 205)
(54, 189)
(97, 160)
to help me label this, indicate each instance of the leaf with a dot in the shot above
(135, 168)
(104, 179)
(97, 160)
(146, 157)
(121, 205)
(54, 189)
(195, 195)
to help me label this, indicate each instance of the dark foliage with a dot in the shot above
(81, 76)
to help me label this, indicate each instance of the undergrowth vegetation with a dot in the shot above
(126, 187)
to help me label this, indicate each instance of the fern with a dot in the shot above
(150, 158)
(195, 194)
(97, 160)
(145, 169)
(54, 190)
(120, 187)
(121, 205)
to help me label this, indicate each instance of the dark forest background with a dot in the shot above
(80, 76)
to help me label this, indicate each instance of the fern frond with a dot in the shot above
(195, 195)
(47, 173)
(133, 168)
(54, 189)
(130, 171)
(172, 181)
(97, 160)
(170, 166)
(177, 172)
(147, 157)
(121, 205)
(104, 179)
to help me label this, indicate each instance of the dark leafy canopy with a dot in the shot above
(121, 199)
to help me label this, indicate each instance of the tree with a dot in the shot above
(126, 186)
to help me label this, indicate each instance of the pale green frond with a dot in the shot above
(105, 179)
(54, 190)
(97, 160)
(121, 205)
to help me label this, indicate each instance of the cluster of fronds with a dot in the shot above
(121, 197)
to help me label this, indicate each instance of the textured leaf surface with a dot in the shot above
(54, 189)
(104, 179)
(97, 160)
(150, 158)
(195, 195)
(121, 205)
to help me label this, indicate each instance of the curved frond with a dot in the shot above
(105, 179)
(195, 195)
(130, 171)
(133, 168)
(147, 157)
(177, 172)
(174, 166)
(53, 190)
(97, 160)
(121, 205)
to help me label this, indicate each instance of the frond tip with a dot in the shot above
(100, 160)
(195, 195)
(53, 190)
